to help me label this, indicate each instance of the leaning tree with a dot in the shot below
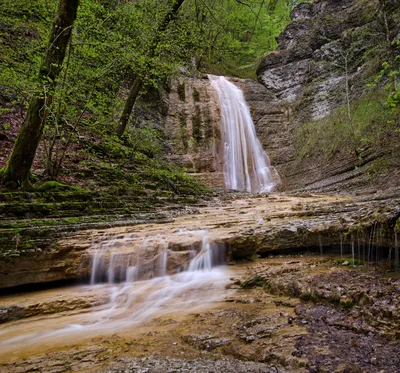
(138, 82)
(17, 170)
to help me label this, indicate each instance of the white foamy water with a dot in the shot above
(246, 164)
(138, 287)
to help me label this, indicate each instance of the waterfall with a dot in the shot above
(146, 276)
(246, 165)
(115, 261)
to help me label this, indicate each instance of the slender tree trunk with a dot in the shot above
(130, 102)
(137, 84)
(20, 162)
(348, 103)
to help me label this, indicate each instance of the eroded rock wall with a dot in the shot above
(325, 58)
(192, 125)
(258, 225)
(328, 43)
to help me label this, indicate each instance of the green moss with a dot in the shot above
(184, 132)
(174, 180)
(352, 262)
(347, 304)
(306, 297)
(196, 122)
(209, 133)
(254, 282)
(53, 185)
(397, 226)
(378, 167)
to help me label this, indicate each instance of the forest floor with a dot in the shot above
(96, 161)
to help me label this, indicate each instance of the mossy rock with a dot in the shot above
(53, 185)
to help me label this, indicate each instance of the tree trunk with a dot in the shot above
(20, 162)
(130, 102)
(137, 84)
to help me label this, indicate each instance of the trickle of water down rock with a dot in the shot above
(246, 165)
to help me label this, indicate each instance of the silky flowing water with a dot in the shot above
(157, 294)
(141, 273)
(138, 286)
(246, 165)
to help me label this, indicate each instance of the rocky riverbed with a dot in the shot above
(302, 313)
(311, 286)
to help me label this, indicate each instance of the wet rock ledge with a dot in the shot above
(246, 226)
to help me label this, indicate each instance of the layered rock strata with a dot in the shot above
(286, 314)
(258, 225)
(325, 58)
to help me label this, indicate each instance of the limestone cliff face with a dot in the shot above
(192, 125)
(328, 44)
(310, 61)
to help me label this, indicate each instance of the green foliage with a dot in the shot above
(138, 144)
(390, 74)
(350, 261)
(230, 37)
(372, 121)
(24, 27)
(111, 46)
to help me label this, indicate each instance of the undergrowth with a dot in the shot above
(372, 124)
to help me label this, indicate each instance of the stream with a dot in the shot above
(273, 315)
(134, 287)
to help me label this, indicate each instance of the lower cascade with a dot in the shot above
(126, 260)
(140, 280)
(246, 165)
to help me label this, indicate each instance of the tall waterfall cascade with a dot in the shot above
(246, 165)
